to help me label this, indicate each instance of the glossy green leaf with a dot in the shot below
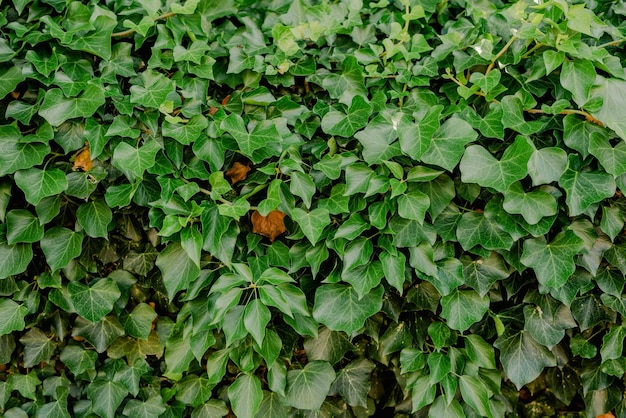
(312, 223)
(245, 395)
(94, 302)
(77, 359)
(413, 205)
(476, 394)
(262, 141)
(533, 206)
(134, 160)
(479, 166)
(448, 143)
(177, 268)
(552, 262)
(154, 90)
(56, 108)
(308, 387)
(13, 315)
(578, 76)
(546, 165)
(613, 159)
(343, 124)
(38, 347)
(353, 382)
(95, 217)
(106, 396)
(152, 407)
(522, 357)
(37, 184)
(582, 189)
(463, 308)
(256, 318)
(478, 229)
(22, 226)
(60, 246)
(611, 91)
(340, 309)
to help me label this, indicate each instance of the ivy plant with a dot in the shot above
(297, 208)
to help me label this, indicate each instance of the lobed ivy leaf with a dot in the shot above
(308, 387)
(106, 396)
(134, 160)
(552, 262)
(177, 268)
(533, 206)
(95, 217)
(262, 141)
(60, 246)
(56, 108)
(336, 122)
(582, 188)
(340, 309)
(94, 302)
(353, 382)
(22, 226)
(448, 143)
(245, 395)
(38, 347)
(37, 184)
(13, 316)
(463, 308)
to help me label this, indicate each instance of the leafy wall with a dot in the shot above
(293, 208)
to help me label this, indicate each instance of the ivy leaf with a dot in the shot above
(522, 357)
(60, 246)
(101, 334)
(153, 407)
(9, 79)
(613, 159)
(415, 136)
(256, 316)
(95, 217)
(463, 308)
(348, 84)
(133, 161)
(138, 323)
(186, 133)
(193, 390)
(578, 76)
(22, 226)
(554, 262)
(14, 259)
(56, 108)
(177, 268)
(38, 347)
(154, 91)
(106, 396)
(477, 229)
(12, 316)
(308, 387)
(15, 155)
(533, 206)
(582, 188)
(302, 185)
(546, 165)
(338, 307)
(479, 166)
(476, 394)
(481, 274)
(448, 143)
(312, 223)
(37, 184)
(480, 352)
(330, 346)
(611, 91)
(338, 123)
(77, 359)
(413, 205)
(513, 116)
(245, 395)
(353, 382)
(261, 142)
(94, 302)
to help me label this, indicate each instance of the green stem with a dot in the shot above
(502, 51)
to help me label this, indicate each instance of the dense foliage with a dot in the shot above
(301, 208)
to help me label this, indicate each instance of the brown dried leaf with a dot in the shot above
(269, 226)
(237, 172)
(82, 162)
(607, 415)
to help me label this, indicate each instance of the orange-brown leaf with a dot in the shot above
(607, 415)
(269, 226)
(82, 162)
(237, 172)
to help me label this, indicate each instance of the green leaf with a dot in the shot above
(513, 116)
(330, 346)
(14, 259)
(16, 155)
(37, 184)
(554, 262)
(245, 396)
(613, 343)
(177, 268)
(60, 246)
(423, 393)
(478, 229)
(154, 90)
(546, 165)
(476, 394)
(9, 79)
(413, 205)
(22, 226)
(353, 382)
(302, 185)
(582, 188)
(415, 136)
(262, 141)
(138, 323)
(578, 77)
(133, 161)
(77, 359)
(542, 326)
(463, 308)
(348, 84)
(256, 316)
(611, 91)
(106, 396)
(482, 273)
(612, 221)
(479, 166)
(101, 334)
(12, 316)
(272, 406)
(533, 206)
(95, 217)
(56, 108)
(480, 352)
(308, 387)
(153, 407)
(340, 309)
(613, 159)
(448, 143)
(343, 124)
(312, 223)
(94, 302)
(186, 133)
(38, 347)
(522, 357)
(193, 390)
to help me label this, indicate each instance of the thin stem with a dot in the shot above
(587, 115)
(131, 31)
(502, 51)
(612, 43)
